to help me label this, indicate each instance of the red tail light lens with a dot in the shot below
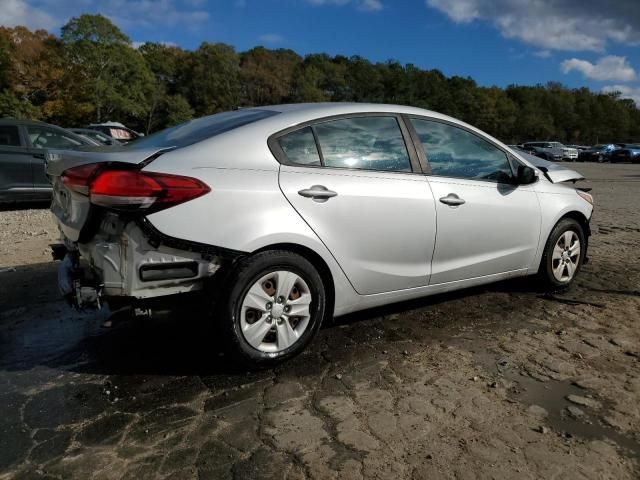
(132, 189)
(79, 178)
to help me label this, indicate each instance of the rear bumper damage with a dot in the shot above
(131, 260)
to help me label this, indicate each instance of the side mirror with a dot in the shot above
(526, 175)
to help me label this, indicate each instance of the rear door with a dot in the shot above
(15, 165)
(486, 224)
(356, 184)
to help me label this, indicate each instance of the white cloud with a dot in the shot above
(625, 92)
(52, 14)
(610, 67)
(366, 5)
(542, 54)
(271, 38)
(19, 12)
(552, 24)
(371, 5)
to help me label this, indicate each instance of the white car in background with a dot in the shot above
(283, 216)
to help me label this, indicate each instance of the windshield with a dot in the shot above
(200, 129)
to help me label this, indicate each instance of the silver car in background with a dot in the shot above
(283, 216)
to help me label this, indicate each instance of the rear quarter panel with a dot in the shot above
(244, 211)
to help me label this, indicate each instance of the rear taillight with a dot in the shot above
(127, 189)
(79, 178)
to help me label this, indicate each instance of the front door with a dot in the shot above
(15, 165)
(359, 195)
(486, 224)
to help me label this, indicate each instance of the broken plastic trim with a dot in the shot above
(208, 252)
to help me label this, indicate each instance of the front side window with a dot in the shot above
(300, 147)
(47, 138)
(369, 143)
(9, 136)
(454, 152)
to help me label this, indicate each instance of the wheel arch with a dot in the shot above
(578, 217)
(317, 261)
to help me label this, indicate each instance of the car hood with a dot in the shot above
(555, 172)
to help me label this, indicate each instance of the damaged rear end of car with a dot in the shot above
(110, 250)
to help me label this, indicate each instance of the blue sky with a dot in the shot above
(592, 43)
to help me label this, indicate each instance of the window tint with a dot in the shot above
(9, 136)
(42, 137)
(200, 129)
(454, 152)
(371, 143)
(300, 147)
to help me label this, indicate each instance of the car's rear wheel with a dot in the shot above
(273, 308)
(563, 255)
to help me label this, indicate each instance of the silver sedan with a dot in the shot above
(284, 216)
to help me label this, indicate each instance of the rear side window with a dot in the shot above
(9, 136)
(368, 143)
(300, 147)
(200, 129)
(48, 138)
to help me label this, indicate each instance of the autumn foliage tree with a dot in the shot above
(92, 72)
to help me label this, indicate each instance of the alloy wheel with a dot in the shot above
(275, 311)
(566, 255)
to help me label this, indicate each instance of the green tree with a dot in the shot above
(266, 76)
(114, 79)
(176, 110)
(165, 63)
(211, 82)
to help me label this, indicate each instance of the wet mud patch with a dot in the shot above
(568, 409)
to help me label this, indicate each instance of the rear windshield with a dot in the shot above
(200, 129)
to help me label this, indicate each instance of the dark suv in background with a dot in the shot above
(22, 152)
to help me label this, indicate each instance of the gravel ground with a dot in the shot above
(495, 382)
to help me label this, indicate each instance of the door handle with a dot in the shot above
(452, 199)
(319, 193)
(39, 156)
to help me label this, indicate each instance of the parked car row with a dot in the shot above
(605, 152)
(23, 145)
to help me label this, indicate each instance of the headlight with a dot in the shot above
(587, 196)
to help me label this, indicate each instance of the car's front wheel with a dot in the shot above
(273, 308)
(563, 255)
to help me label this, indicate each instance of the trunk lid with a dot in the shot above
(72, 209)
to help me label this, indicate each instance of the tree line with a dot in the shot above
(92, 73)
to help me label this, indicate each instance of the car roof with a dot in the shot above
(107, 124)
(16, 121)
(291, 115)
(86, 130)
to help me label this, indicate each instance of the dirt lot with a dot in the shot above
(498, 382)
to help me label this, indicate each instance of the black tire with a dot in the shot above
(545, 273)
(241, 279)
